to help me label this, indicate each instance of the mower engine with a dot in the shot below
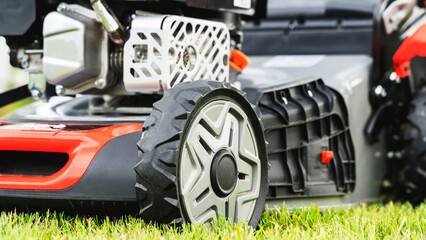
(160, 52)
(75, 49)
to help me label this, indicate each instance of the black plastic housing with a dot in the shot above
(300, 122)
(246, 7)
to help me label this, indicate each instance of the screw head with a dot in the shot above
(398, 155)
(100, 82)
(36, 94)
(380, 91)
(62, 7)
(393, 76)
(60, 90)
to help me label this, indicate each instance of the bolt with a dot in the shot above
(62, 7)
(390, 154)
(60, 90)
(398, 155)
(380, 91)
(387, 184)
(398, 80)
(138, 53)
(393, 76)
(36, 94)
(100, 83)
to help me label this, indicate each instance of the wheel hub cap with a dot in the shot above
(224, 174)
(219, 171)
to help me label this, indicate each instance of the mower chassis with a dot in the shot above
(108, 184)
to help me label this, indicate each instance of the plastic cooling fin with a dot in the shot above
(165, 50)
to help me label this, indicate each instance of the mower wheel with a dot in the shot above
(202, 155)
(414, 174)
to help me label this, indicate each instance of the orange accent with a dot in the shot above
(80, 145)
(326, 156)
(1, 122)
(414, 45)
(238, 60)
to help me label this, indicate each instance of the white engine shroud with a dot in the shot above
(165, 50)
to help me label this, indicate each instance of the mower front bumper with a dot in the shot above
(79, 168)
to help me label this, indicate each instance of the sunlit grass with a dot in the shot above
(390, 221)
(14, 106)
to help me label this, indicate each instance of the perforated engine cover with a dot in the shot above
(165, 50)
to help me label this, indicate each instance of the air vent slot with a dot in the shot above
(29, 163)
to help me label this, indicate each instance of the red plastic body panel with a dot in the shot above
(80, 145)
(414, 45)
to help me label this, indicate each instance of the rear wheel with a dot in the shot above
(414, 173)
(202, 155)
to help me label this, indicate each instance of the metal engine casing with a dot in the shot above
(165, 50)
(75, 49)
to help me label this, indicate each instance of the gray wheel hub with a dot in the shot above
(219, 171)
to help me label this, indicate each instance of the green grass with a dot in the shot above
(390, 221)
(13, 106)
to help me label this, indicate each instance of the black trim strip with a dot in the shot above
(14, 95)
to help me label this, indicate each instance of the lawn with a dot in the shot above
(390, 221)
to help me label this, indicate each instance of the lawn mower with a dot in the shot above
(181, 111)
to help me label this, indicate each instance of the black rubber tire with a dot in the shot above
(157, 187)
(414, 172)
